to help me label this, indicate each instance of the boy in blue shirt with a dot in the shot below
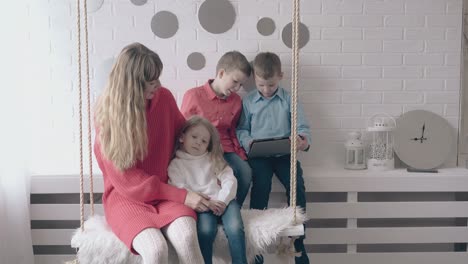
(265, 114)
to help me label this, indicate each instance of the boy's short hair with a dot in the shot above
(266, 65)
(234, 60)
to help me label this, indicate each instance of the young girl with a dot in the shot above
(200, 167)
(137, 121)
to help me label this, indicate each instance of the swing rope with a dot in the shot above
(80, 106)
(288, 249)
(294, 87)
(294, 83)
(88, 103)
(80, 114)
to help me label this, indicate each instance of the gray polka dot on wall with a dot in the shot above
(196, 61)
(164, 24)
(303, 35)
(94, 5)
(216, 16)
(266, 26)
(139, 2)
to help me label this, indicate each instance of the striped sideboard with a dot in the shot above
(357, 217)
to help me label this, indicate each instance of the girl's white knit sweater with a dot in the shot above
(195, 173)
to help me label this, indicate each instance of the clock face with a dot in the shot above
(423, 140)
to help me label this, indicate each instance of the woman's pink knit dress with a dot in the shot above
(140, 197)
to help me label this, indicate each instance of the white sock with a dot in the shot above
(151, 245)
(182, 234)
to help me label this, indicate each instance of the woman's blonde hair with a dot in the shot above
(121, 109)
(214, 146)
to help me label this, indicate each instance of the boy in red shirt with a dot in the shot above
(218, 102)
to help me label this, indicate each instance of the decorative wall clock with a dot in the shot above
(423, 140)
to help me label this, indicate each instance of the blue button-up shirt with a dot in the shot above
(267, 118)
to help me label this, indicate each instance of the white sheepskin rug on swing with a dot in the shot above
(98, 244)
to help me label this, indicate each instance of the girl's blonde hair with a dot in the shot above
(121, 109)
(214, 146)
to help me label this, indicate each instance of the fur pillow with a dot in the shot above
(98, 244)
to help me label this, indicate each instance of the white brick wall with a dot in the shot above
(363, 57)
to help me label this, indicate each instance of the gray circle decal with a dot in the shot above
(164, 24)
(94, 5)
(266, 26)
(196, 61)
(303, 35)
(216, 16)
(139, 2)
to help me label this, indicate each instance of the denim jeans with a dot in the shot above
(262, 171)
(207, 227)
(243, 173)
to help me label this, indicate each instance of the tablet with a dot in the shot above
(267, 147)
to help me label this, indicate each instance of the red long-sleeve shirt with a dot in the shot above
(224, 114)
(140, 196)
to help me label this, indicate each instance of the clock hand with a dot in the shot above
(422, 135)
(422, 138)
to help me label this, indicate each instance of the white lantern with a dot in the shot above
(380, 128)
(355, 153)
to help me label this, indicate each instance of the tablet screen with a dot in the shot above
(270, 147)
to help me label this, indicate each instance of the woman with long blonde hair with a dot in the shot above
(199, 166)
(137, 122)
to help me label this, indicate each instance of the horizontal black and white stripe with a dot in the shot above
(356, 217)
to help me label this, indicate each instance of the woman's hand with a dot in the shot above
(217, 207)
(197, 201)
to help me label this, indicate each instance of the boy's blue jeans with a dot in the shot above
(243, 173)
(263, 169)
(207, 227)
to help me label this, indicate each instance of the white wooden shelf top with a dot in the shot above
(316, 180)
